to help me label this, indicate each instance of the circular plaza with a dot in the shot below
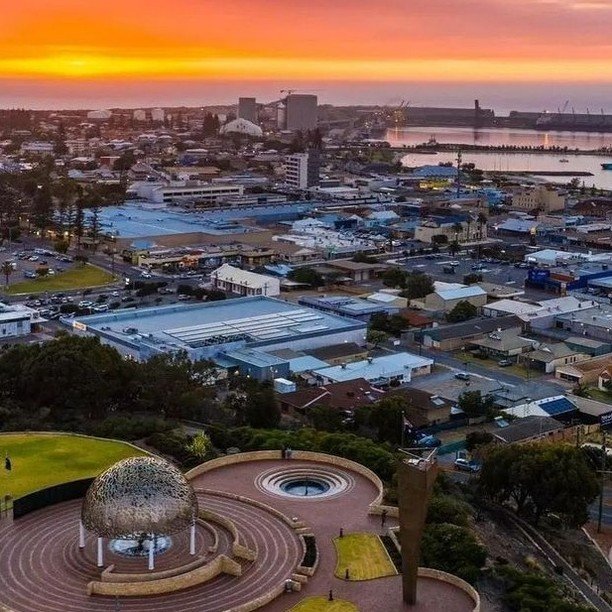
(239, 533)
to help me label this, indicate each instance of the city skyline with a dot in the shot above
(68, 45)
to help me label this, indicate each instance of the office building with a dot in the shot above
(241, 282)
(302, 169)
(16, 320)
(181, 191)
(300, 112)
(247, 109)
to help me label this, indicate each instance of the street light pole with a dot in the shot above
(603, 476)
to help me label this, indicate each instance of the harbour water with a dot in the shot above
(510, 161)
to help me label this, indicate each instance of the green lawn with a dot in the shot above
(79, 277)
(321, 604)
(364, 555)
(599, 395)
(39, 461)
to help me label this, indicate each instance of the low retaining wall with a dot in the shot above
(305, 569)
(109, 575)
(220, 564)
(296, 455)
(468, 589)
(238, 549)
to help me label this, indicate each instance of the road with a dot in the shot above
(503, 378)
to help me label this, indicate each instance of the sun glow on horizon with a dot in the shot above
(98, 66)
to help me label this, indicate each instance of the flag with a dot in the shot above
(7, 464)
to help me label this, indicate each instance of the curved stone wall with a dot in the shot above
(468, 589)
(220, 564)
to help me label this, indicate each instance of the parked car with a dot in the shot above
(462, 376)
(504, 363)
(466, 466)
(427, 441)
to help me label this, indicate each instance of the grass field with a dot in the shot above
(79, 277)
(40, 461)
(364, 555)
(320, 604)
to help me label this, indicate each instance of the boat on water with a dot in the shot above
(606, 166)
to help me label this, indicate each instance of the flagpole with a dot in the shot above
(403, 428)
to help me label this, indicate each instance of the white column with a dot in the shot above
(100, 553)
(152, 553)
(81, 535)
(192, 539)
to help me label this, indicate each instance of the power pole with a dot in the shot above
(459, 158)
(603, 476)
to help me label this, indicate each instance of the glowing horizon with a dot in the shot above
(393, 40)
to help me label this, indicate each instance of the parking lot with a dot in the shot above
(27, 260)
(499, 273)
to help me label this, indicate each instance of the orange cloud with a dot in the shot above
(526, 40)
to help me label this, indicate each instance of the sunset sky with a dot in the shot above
(63, 41)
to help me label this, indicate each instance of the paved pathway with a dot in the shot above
(43, 570)
(326, 516)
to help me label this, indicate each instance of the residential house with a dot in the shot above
(445, 300)
(529, 429)
(346, 396)
(459, 335)
(550, 356)
(502, 345)
(395, 369)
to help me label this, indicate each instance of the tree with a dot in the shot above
(418, 285)
(472, 278)
(386, 417)
(540, 478)
(325, 418)
(306, 275)
(476, 439)
(393, 324)
(394, 277)
(262, 408)
(61, 246)
(6, 269)
(439, 239)
(473, 404)
(454, 247)
(463, 311)
(452, 549)
(200, 446)
(376, 337)
(447, 509)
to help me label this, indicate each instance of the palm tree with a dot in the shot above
(7, 270)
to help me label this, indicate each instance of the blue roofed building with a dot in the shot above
(219, 330)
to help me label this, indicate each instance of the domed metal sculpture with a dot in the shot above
(142, 499)
(139, 495)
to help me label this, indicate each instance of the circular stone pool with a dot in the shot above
(304, 482)
(305, 487)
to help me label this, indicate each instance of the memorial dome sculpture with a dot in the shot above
(140, 499)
